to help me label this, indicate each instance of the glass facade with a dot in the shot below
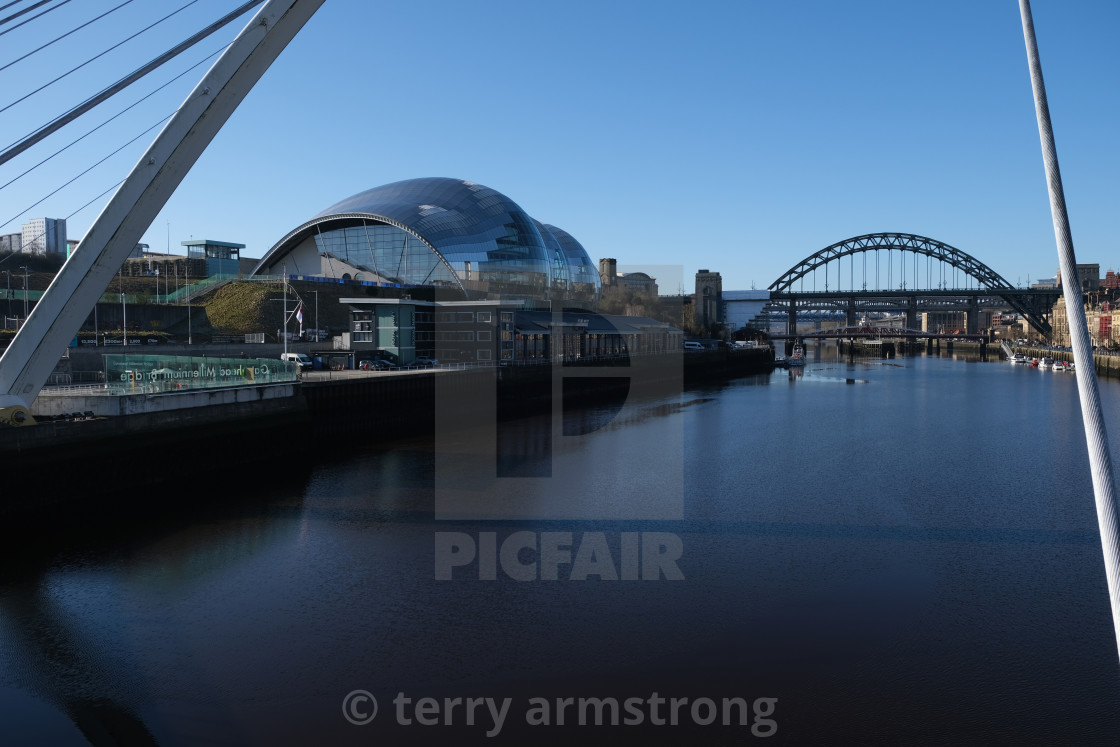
(558, 260)
(153, 374)
(385, 253)
(586, 286)
(443, 233)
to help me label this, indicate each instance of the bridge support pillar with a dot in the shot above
(972, 322)
(791, 320)
(912, 313)
(852, 320)
(929, 346)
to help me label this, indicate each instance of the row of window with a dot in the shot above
(463, 336)
(463, 317)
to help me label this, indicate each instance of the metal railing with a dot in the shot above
(76, 389)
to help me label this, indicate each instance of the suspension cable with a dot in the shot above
(110, 119)
(28, 9)
(60, 38)
(81, 109)
(97, 56)
(1096, 436)
(89, 169)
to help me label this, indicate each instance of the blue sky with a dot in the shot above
(735, 136)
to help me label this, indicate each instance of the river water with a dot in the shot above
(899, 552)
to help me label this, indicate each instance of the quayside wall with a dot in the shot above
(1107, 366)
(155, 440)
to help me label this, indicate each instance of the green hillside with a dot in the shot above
(243, 308)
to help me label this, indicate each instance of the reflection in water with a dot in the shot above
(838, 541)
(68, 633)
(54, 660)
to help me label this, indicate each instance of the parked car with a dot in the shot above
(376, 364)
(426, 361)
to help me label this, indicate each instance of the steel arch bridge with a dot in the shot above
(1033, 305)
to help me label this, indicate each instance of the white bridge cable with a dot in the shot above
(68, 217)
(90, 103)
(63, 36)
(107, 121)
(97, 56)
(28, 9)
(89, 169)
(1096, 437)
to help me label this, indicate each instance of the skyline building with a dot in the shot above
(44, 236)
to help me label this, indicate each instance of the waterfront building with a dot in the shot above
(458, 239)
(639, 282)
(742, 307)
(709, 298)
(608, 272)
(44, 236)
(501, 331)
(1102, 316)
(1088, 275)
(949, 322)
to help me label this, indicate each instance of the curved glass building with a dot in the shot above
(463, 238)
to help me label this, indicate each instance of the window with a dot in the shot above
(484, 317)
(484, 355)
(507, 316)
(506, 355)
(484, 335)
(507, 336)
(464, 316)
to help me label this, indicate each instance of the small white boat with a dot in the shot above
(1058, 366)
(1046, 362)
(1019, 358)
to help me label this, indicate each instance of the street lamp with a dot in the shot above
(124, 314)
(24, 268)
(316, 315)
(9, 296)
(187, 288)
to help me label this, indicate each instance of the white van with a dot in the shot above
(302, 359)
(690, 345)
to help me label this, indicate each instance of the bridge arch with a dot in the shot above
(920, 245)
(985, 277)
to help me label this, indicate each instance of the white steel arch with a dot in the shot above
(33, 353)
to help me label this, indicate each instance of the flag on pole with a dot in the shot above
(299, 315)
